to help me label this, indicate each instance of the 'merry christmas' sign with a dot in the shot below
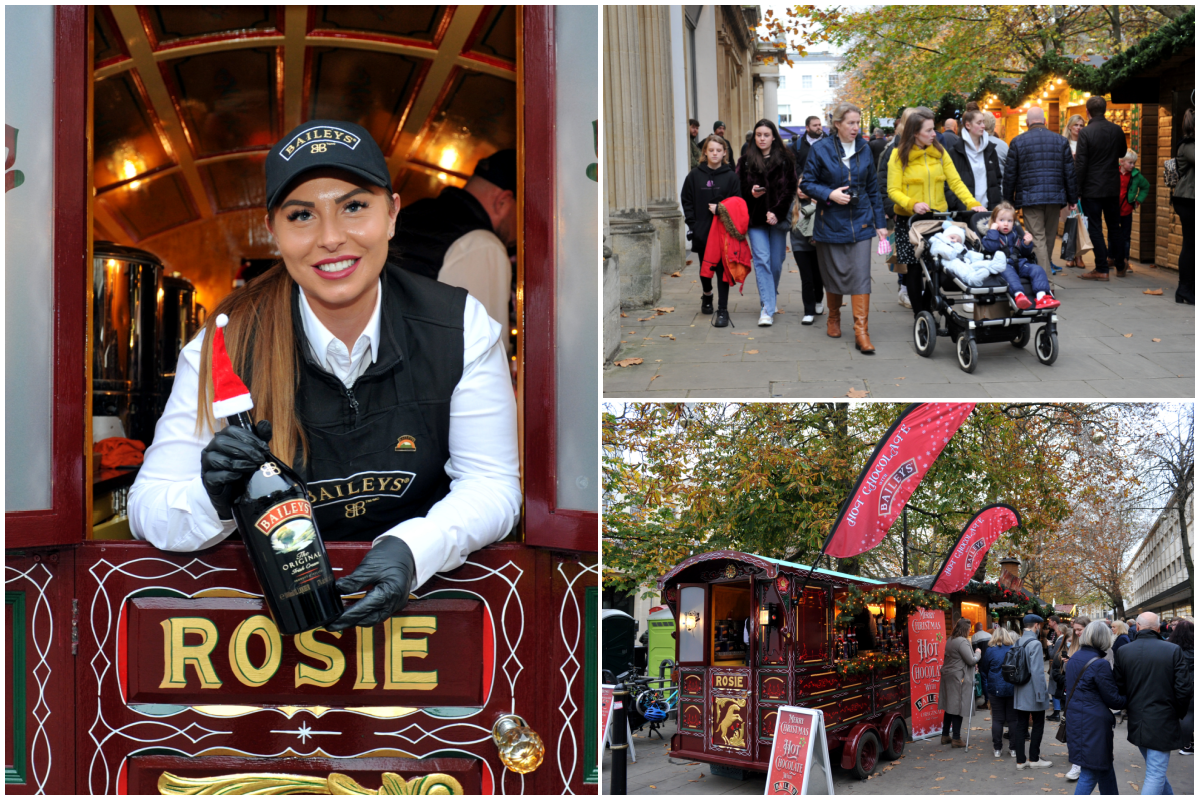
(926, 644)
(799, 749)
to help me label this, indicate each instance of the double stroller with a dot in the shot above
(973, 315)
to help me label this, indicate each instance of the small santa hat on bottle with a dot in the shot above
(230, 395)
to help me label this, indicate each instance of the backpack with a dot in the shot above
(1171, 173)
(1015, 668)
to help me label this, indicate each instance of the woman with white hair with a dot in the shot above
(1091, 692)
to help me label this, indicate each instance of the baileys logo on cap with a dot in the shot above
(317, 139)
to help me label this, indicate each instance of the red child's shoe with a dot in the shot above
(1022, 301)
(1047, 302)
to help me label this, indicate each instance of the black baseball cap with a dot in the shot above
(324, 143)
(499, 169)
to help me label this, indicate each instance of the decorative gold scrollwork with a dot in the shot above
(272, 783)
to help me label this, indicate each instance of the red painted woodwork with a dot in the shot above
(459, 681)
(545, 524)
(47, 579)
(63, 522)
(535, 603)
(141, 773)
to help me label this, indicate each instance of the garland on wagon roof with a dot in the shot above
(856, 600)
(1022, 602)
(865, 663)
(1164, 43)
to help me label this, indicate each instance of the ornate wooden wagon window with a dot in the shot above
(693, 621)
(732, 604)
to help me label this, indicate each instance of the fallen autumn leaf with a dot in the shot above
(864, 393)
(628, 362)
(752, 352)
(1156, 340)
(1153, 291)
(676, 274)
(1127, 335)
(670, 336)
(665, 309)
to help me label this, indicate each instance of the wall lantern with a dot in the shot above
(689, 621)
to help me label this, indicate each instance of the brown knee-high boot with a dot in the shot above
(861, 305)
(833, 325)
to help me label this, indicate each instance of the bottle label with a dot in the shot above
(289, 526)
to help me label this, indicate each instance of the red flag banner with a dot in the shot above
(926, 639)
(900, 461)
(973, 544)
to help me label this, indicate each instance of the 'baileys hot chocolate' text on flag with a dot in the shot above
(900, 461)
(973, 544)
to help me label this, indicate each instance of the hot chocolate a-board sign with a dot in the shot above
(926, 648)
(799, 750)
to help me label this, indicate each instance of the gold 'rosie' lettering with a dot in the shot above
(177, 655)
(333, 659)
(729, 681)
(239, 652)
(396, 648)
(366, 659)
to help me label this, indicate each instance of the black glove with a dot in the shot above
(390, 567)
(228, 460)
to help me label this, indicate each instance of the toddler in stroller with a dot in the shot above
(1018, 252)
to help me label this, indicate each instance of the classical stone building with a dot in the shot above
(662, 66)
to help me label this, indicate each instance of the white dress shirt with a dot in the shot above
(169, 507)
(478, 262)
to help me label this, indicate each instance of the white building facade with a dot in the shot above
(1158, 572)
(810, 88)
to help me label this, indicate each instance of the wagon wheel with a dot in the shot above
(866, 755)
(897, 736)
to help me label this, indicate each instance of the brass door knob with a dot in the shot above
(521, 749)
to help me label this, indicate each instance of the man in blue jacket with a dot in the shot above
(1039, 179)
(1032, 698)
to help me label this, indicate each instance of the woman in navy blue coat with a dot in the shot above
(1091, 692)
(840, 174)
(1000, 691)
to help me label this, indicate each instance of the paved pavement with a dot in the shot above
(926, 768)
(1114, 341)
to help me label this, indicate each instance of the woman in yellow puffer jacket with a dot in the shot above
(918, 172)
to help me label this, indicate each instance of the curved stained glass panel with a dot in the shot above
(227, 99)
(408, 22)
(362, 86)
(237, 182)
(478, 117)
(126, 141)
(151, 206)
(173, 24)
(107, 41)
(498, 35)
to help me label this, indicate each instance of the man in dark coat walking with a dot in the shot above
(1039, 179)
(1101, 146)
(803, 143)
(1153, 676)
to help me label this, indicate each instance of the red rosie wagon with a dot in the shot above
(756, 633)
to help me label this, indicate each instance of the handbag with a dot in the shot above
(1171, 173)
(1083, 242)
(1061, 733)
(1069, 238)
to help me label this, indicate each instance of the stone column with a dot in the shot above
(663, 184)
(633, 240)
(770, 83)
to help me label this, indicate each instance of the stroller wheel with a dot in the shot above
(1021, 338)
(968, 353)
(1046, 345)
(925, 333)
